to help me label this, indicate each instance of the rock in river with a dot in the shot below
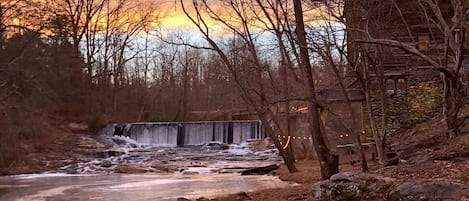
(129, 169)
(260, 170)
(106, 163)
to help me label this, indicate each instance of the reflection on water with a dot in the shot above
(130, 187)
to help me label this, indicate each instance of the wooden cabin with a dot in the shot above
(410, 22)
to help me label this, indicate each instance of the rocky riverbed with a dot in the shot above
(127, 156)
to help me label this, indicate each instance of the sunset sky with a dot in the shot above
(174, 17)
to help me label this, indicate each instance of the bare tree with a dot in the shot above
(78, 15)
(252, 95)
(8, 12)
(329, 161)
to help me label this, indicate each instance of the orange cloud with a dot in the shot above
(174, 17)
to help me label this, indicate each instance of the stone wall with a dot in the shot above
(421, 100)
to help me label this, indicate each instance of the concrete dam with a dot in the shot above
(180, 134)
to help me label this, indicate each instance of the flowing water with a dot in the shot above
(164, 187)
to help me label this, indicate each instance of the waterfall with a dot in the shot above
(172, 134)
(198, 133)
(158, 134)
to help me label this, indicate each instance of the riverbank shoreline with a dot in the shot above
(308, 174)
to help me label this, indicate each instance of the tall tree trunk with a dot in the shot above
(287, 158)
(328, 161)
(377, 135)
(381, 140)
(454, 101)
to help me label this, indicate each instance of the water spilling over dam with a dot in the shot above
(180, 134)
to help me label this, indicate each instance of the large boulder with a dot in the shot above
(106, 164)
(429, 190)
(352, 186)
(215, 145)
(362, 186)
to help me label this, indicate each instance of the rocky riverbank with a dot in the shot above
(127, 156)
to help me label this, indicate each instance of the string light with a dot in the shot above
(343, 135)
(286, 144)
(289, 138)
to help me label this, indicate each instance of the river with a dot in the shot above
(139, 187)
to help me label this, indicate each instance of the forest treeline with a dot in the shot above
(96, 61)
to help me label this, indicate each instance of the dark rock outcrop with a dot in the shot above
(242, 196)
(215, 146)
(260, 170)
(362, 186)
(429, 190)
(106, 164)
(352, 186)
(129, 169)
